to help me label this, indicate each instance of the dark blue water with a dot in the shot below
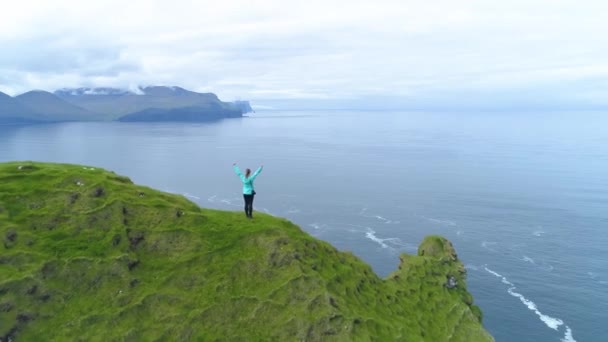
(523, 196)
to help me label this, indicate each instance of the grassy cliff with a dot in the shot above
(87, 255)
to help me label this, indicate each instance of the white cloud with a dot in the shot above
(309, 49)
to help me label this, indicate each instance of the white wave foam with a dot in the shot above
(191, 196)
(551, 322)
(316, 226)
(568, 335)
(471, 267)
(233, 202)
(506, 282)
(356, 226)
(212, 198)
(397, 242)
(595, 278)
(380, 218)
(494, 273)
(377, 217)
(528, 259)
(387, 242)
(293, 211)
(487, 244)
(460, 232)
(443, 222)
(538, 233)
(370, 234)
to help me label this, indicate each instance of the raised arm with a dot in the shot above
(238, 172)
(256, 173)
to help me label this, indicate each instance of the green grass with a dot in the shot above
(87, 255)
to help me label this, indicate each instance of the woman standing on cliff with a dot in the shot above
(248, 191)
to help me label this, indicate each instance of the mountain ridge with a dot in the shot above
(12, 110)
(53, 108)
(109, 104)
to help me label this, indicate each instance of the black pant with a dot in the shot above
(248, 205)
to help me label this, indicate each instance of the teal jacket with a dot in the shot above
(247, 181)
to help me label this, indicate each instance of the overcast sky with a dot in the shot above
(536, 52)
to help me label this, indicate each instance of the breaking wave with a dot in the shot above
(551, 322)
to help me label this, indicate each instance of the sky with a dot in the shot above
(426, 54)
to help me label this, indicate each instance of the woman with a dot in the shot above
(248, 191)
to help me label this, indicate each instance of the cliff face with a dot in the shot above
(244, 106)
(87, 254)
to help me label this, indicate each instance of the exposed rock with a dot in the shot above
(116, 240)
(32, 290)
(74, 197)
(11, 235)
(10, 335)
(132, 264)
(24, 317)
(6, 307)
(333, 302)
(135, 238)
(451, 282)
(98, 192)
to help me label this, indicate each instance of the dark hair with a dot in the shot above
(247, 172)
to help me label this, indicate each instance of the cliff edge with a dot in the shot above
(86, 254)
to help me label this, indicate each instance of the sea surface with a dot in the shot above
(522, 195)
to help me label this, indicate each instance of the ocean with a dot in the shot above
(522, 195)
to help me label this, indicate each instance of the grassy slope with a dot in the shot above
(88, 255)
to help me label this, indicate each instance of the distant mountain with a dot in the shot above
(12, 111)
(52, 108)
(113, 103)
(155, 103)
